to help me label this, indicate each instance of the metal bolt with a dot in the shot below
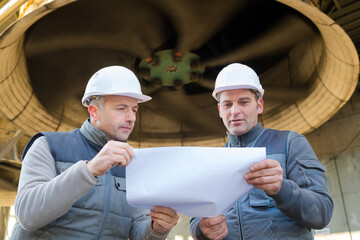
(153, 60)
(156, 83)
(195, 77)
(177, 84)
(144, 72)
(195, 65)
(177, 57)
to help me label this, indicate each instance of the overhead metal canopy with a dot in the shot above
(307, 64)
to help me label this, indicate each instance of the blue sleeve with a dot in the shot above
(303, 195)
(195, 230)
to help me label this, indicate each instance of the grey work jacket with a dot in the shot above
(302, 204)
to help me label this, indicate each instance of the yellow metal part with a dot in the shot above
(25, 8)
(10, 9)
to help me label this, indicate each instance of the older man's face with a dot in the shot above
(117, 117)
(239, 110)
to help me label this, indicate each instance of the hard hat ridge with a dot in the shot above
(114, 80)
(237, 76)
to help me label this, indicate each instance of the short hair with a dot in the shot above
(97, 101)
(256, 93)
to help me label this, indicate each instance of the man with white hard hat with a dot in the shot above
(72, 184)
(290, 195)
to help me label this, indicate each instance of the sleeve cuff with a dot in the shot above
(157, 235)
(284, 197)
(86, 173)
(199, 234)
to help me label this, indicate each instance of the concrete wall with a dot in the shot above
(344, 186)
(337, 144)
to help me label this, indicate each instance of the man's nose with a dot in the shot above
(235, 109)
(131, 116)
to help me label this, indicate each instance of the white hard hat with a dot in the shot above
(113, 80)
(237, 76)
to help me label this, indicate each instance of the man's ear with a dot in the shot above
(94, 112)
(218, 107)
(260, 104)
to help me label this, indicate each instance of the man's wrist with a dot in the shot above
(200, 234)
(157, 234)
(88, 165)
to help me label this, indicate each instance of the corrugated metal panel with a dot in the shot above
(348, 17)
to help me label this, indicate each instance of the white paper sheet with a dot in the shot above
(194, 181)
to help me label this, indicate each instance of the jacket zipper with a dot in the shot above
(107, 200)
(239, 218)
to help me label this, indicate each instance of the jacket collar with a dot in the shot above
(245, 139)
(93, 134)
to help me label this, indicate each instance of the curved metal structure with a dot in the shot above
(307, 64)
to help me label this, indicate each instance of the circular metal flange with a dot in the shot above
(172, 72)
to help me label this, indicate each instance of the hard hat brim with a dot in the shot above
(140, 97)
(234, 87)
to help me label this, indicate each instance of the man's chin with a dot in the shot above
(237, 131)
(123, 137)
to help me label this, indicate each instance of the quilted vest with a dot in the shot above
(102, 213)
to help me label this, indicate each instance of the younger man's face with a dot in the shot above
(239, 110)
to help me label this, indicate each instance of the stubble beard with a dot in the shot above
(117, 135)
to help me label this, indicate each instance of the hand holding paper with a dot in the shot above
(215, 227)
(194, 181)
(266, 175)
(164, 219)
